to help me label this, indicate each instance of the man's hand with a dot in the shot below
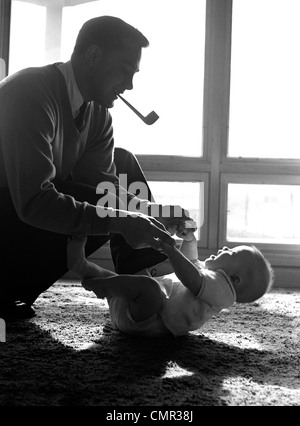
(139, 230)
(178, 222)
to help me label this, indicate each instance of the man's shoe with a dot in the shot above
(17, 311)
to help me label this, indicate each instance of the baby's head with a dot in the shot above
(250, 273)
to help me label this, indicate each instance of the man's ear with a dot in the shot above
(93, 54)
(235, 279)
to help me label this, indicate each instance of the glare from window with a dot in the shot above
(170, 81)
(265, 83)
(171, 78)
(264, 213)
(27, 36)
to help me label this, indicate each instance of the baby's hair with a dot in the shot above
(257, 278)
(266, 272)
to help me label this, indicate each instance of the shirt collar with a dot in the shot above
(75, 96)
(228, 281)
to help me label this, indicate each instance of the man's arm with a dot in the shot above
(140, 231)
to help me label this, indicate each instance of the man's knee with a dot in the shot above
(122, 153)
(125, 160)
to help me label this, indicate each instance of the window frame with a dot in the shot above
(5, 19)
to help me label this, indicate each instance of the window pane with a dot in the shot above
(188, 195)
(264, 213)
(27, 35)
(170, 81)
(265, 83)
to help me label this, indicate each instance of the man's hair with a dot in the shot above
(110, 33)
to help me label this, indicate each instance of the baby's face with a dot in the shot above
(230, 260)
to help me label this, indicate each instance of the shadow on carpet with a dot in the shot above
(69, 355)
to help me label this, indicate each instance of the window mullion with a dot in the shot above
(216, 102)
(5, 14)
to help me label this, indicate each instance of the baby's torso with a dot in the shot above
(182, 311)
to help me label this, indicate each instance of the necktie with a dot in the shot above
(79, 120)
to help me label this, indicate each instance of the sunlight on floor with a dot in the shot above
(84, 346)
(236, 390)
(240, 340)
(75, 336)
(282, 302)
(173, 371)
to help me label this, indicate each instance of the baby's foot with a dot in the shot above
(186, 230)
(76, 252)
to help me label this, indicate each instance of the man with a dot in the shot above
(56, 147)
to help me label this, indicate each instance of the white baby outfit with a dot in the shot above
(181, 311)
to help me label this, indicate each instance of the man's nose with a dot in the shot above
(129, 83)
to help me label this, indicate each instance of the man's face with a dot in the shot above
(113, 74)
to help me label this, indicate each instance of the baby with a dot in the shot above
(147, 304)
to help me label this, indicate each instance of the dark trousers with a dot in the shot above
(33, 259)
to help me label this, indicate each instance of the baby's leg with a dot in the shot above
(78, 263)
(76, 252)
(142, 293)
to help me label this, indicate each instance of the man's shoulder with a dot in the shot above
(34, 78)
(38, 85)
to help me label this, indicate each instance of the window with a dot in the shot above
(265, 84)
(224, 78)
(262, 213)
(259, 167)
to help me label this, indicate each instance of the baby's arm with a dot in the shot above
(188, 248)
(185, 270)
